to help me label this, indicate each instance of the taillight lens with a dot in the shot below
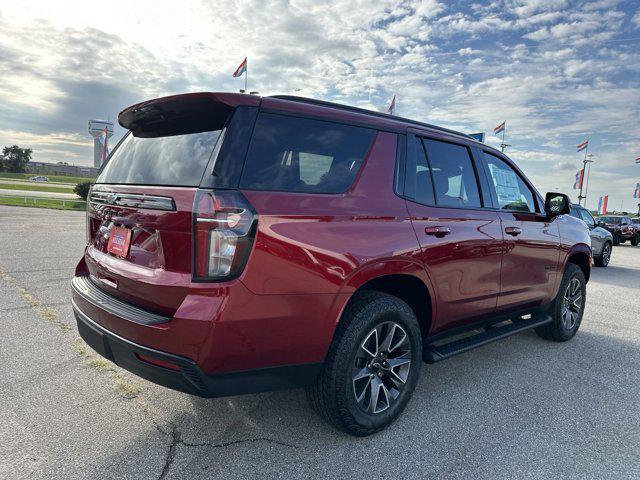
(223, 232)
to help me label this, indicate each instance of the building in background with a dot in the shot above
(61, 169)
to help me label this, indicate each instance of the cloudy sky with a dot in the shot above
(558, 71)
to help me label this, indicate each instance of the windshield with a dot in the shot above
(614, 220)
(177, 160)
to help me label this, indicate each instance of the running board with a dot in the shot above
(433, 354)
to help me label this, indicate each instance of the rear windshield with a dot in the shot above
(302, 155)
(613, 220)
(177, 160)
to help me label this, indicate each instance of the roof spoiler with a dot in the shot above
(182, 114)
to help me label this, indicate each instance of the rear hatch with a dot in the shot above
(143, 198)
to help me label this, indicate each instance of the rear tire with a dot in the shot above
(361, 391)
(567, 308)
(603, 259)
(634, 240)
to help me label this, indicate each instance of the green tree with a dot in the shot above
(82, 189)
(15, 159)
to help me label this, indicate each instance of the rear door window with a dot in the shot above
(418, 186)
(177, 160)
(454, 178)
(294, 154)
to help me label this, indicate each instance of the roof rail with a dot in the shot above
(364, 111)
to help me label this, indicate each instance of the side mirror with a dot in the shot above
(556, 204)
(600, 223)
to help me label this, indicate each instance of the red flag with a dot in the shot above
(602, 205)
(583, 145)
(242, 68)
(392, 106)
(577, 184)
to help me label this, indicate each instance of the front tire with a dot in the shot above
(372, 366)
(634, 240)
(603, 259)
(567, 308)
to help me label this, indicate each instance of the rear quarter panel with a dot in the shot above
(314, 243)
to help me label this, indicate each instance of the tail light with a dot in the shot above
(223, 232)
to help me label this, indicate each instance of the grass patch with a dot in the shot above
(35, 188)
(126, 389)
(54, 203)
(52, 178)
(101, 364)
(123, 386)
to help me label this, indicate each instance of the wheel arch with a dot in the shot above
(581, 256)
(405, 279)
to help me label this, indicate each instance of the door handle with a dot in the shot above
(437, 231)
(514, 231)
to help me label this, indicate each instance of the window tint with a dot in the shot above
(586, 216)
(302, 155)
(419, 186)
(612, 220)
(176, 160)
(512, 192)
(454, 179)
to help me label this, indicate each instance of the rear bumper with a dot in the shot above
(185, 375)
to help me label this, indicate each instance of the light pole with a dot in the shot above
(588, 159)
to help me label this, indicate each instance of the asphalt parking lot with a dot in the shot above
(519, 408)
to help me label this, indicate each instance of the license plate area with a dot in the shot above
(119, 241)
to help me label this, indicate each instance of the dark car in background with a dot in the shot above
(601, 239)
(240, 244)
(621, 228)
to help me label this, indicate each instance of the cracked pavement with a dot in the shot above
(519, 408)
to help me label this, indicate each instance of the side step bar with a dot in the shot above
(433, 353)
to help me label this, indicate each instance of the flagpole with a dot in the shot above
(586, 190)
(504, 131)
(584, 166)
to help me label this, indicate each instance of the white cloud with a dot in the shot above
(526, 8)
(547, 66)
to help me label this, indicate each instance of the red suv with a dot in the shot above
(240, 244)
(622, 229)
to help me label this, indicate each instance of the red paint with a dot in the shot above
(311, 253)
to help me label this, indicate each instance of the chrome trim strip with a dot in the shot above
(133, 200)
